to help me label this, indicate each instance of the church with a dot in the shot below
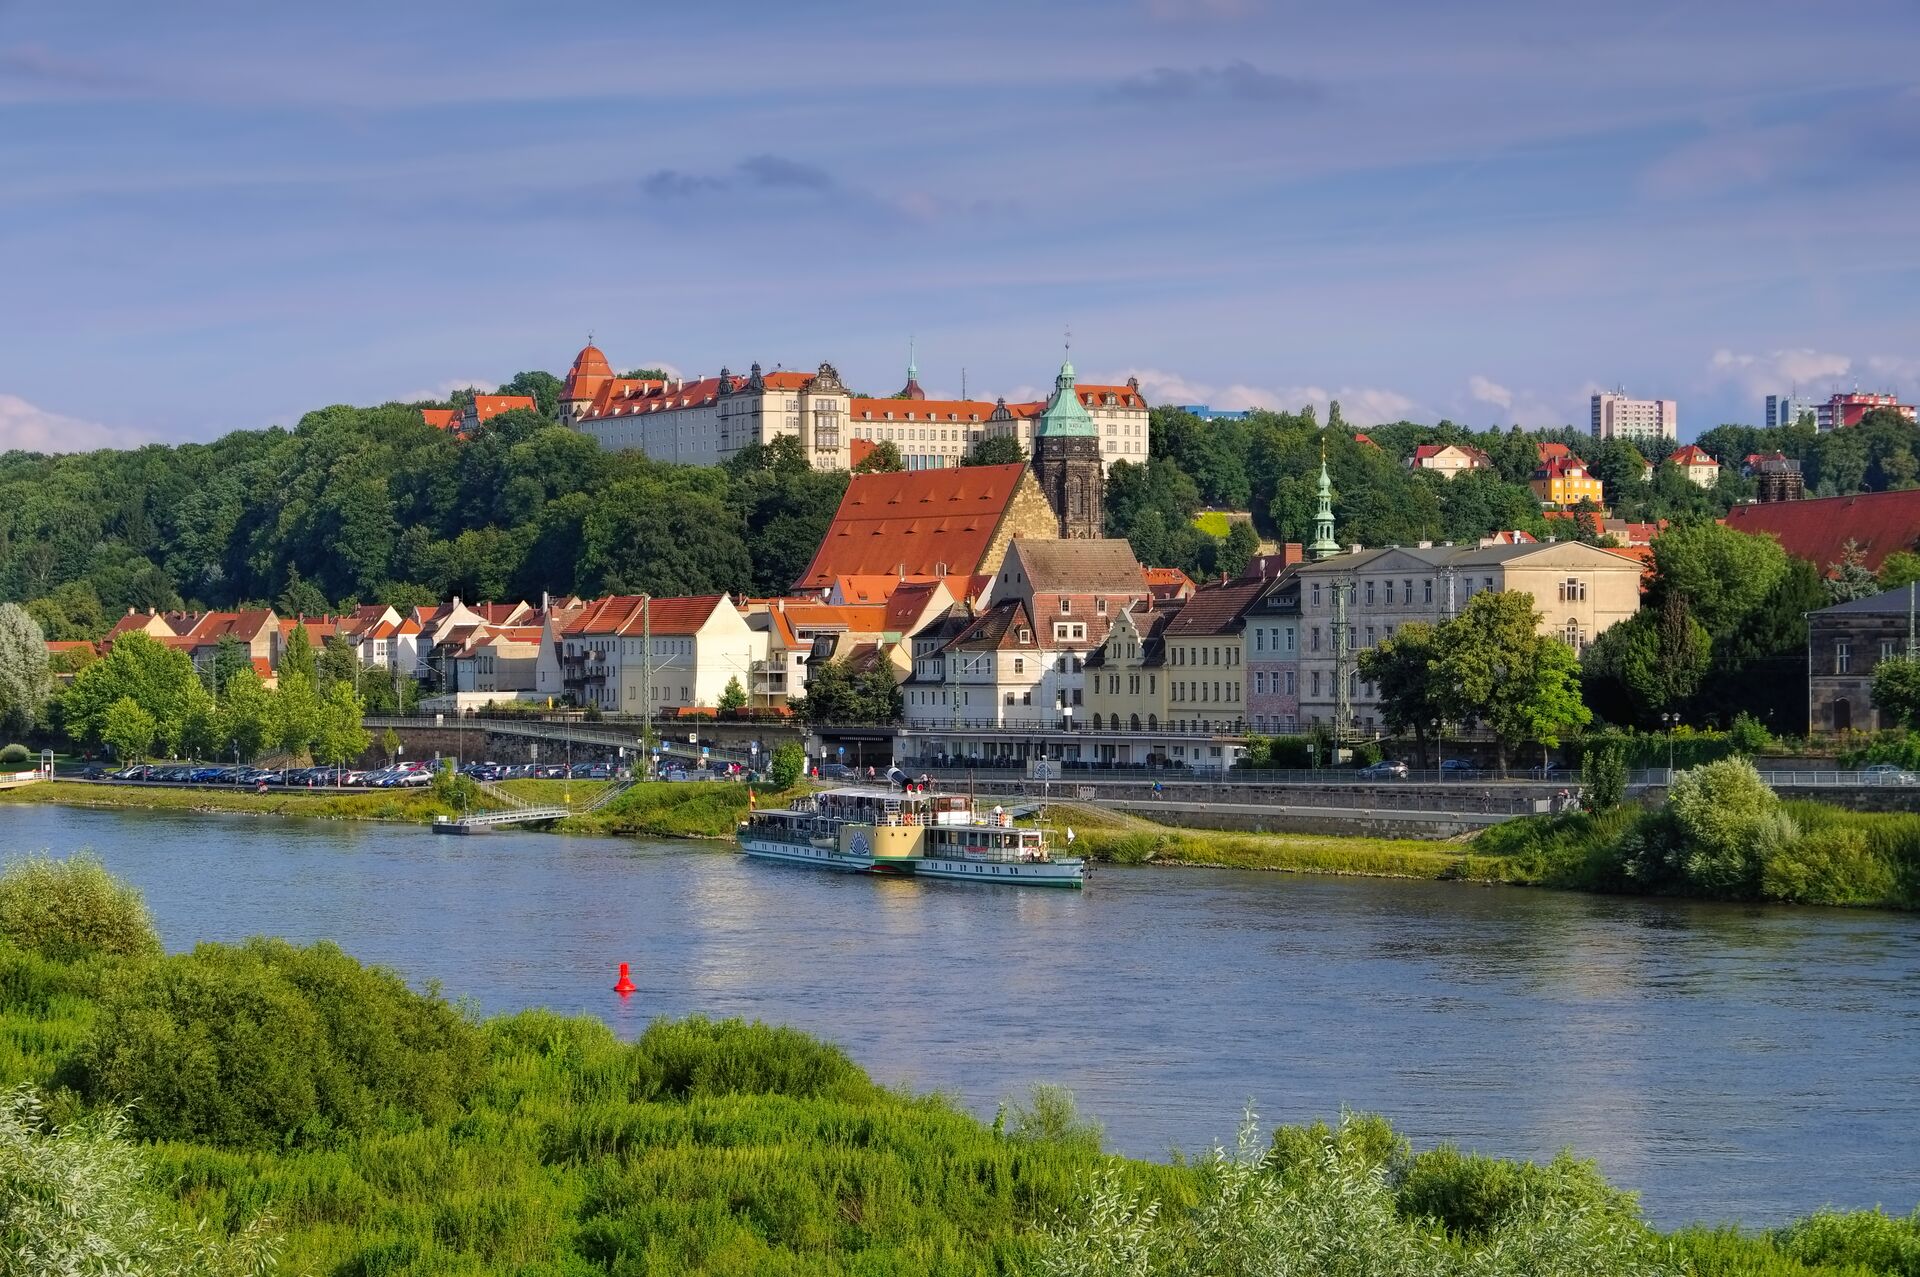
(958, 522)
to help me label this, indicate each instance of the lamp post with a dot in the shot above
(1670, 721)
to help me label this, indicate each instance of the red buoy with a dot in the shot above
(626, 984)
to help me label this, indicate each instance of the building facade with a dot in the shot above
(1580, 591)
(1843, 410)
(1618, 416)
(1067, 461)
(1564, 482)
(1449, 459)
(1271, 651)
(1787, 410)
(1697, 465)
(1845, 644)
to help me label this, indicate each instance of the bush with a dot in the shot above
(1603, 775)
(1749, 735)
(1872, 1240)
(67, 909)
(267, 1044)
(1473, 1195)
(1828, 867)
(1730, 821)
(1295, 752)
(1049, 1116)
(788, 762)
(14, 755)
(679, 1059)
(1365, 753)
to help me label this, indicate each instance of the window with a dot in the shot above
(1289, 638)
(1369, 593)
(1100, 606)
(1316, 682)
(1259, 683)
(1066, 607)
(1064, 632)
(1573, 590)
(1019, 665)
(1289, 681)
(1842, 657)
(1429, 590)
(1389, 592)
(1406, 590)
(1026, 698)
(1316, 594)
(1259, 639)
(1026, 635)
(1886, 649)
(1314, 637)
(1369, 636)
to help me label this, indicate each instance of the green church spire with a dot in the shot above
(1324, 546)
(1064, 414)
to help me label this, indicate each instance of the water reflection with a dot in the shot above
(1727, 1062)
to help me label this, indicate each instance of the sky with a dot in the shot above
(218, 216)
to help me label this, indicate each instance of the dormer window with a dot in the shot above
(1066, 607)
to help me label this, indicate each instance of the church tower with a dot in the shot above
(1324, 546)
(1066, 461)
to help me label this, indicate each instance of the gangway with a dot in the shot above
(490, 819)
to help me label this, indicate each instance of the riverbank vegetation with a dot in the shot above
(1104, 834)
(660, 809)
(1723, 835)
(265, 1108)
(413, 806)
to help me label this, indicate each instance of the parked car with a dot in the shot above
(838, 771)
(1385, 769)
(1456, 767)
(1887, 774)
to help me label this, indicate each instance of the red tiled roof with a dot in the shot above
(262, 667)
(439, 418)
(936, 411)
(1692, 455)
(634, 398)
(485, 406)
(1094, 396)
(590, 369)
(628, 614)
(1215, 609)
(1559, 467)
(1548, 451)
(1817, 530)
(915, 523)
(1475, 455)
(68, 645)
(907, 602)
(787, 380)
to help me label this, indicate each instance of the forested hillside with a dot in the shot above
(364, 504)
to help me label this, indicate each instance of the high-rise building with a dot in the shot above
(1846, 410)
(1785, 410)
(1615, 416)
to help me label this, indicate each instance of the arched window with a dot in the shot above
(1153, 722)
(1135, 722)
(1843, 715)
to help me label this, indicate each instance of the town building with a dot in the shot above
(1696, 464)
(1845, 645)
(441, 418)
(628, 653)
(1819, 529)
(1206, 666)
(1170, 584)
(1449, 459)
(1564, 482)
(381, 637)
(1617, 416)
(484, 408)
(1580, 591)
(1271, 651)
(1776, 476)
(1843, 410)
(1787, 410)
(930, 524)
(1126, 684)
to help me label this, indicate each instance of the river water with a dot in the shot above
(1729, 1063)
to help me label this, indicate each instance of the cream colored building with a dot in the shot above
(1579, 590)
(1120, 421)
(706, 421)
(1616, 415)
(612, 651)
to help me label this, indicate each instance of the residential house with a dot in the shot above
(382, 638)
(1071, 590)
(621, 652)
(1449, 459)
(1206, 660)
(1271, 651)
(1127, 686)
(1845, 644)
(1697, 464)
(1565, 481)
(1579, 589)
(1168, 584)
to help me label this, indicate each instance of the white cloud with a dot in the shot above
(34, 429)
(1360, 405)
(1901, 368)
(1778, 372)
(1489, 391)
(436, 393)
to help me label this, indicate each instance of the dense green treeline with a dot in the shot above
(262, 1107)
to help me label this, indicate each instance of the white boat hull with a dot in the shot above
(803, 854)
(1026, 873)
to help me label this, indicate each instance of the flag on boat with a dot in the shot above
(751, 805)
(1069, 835)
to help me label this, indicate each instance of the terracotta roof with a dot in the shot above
(485, 406)
(1548, 451)
(628, 614)
(907, 602)
(859, 450)
(998, 627)
(1215, 609)
(211, 627)
(1817, 530)
(262, 667)
(133, 621)
(787, 380)
(68, 645)
(1167, 583)
(1562, 467)
(806, 615)
(1094, 396)
(914, 523)
(636, 398)
(439, 418)
(590, 369)
(1692, 455)
(925, 411)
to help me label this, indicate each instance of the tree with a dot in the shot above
(158, 679)
(340, 736)
(337, 662)
(390, 745)
(1403, 670)
(300, 598)
(883, 458)
(1497, 667)
(1652, 662)
(1238, 549)
(25, 682)
(733, 696)
(1724, 574)
(1604, 773)
(996, 450)
(788, 762)
(1849, 579)
(837, 695)
(544, 388)
(298, 658)
(1896, 689)
(248, 715)
(230, 656)
(296, 714)
(1902, 567)
(128, 730)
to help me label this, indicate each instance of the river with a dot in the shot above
(1729, 1063)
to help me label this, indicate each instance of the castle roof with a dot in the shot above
(1064, 415)
(928, 523)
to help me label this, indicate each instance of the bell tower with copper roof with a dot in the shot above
(1066, 461)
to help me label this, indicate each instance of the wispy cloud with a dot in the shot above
(1238, 81)
(1362, 405)
(30, 428)
(755, 173)
(1777, 372)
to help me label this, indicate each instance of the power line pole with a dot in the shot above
(646, 679)
(1342, 660)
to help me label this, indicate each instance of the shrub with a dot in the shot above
(66, 909)
(1872, 1240)
(74, 1199)
(14, 755)
(1730, 820)
(1296, 752)
(267, 1044)
(679, 1059)
(1749, 735)
(1828, 867)
(1365, 753)
(788, 762)
(1603, 775)
(1049, 1116)
(1473, 1195)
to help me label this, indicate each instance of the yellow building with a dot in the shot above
(1565, 481)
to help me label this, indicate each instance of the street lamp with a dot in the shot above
(1670, 721)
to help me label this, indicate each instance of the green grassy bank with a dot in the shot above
(410, 805)
(288, 1110)
(1122, 839)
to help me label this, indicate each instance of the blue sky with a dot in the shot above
(216, 216)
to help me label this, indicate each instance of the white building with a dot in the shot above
(1616, 416)
(623, 651)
